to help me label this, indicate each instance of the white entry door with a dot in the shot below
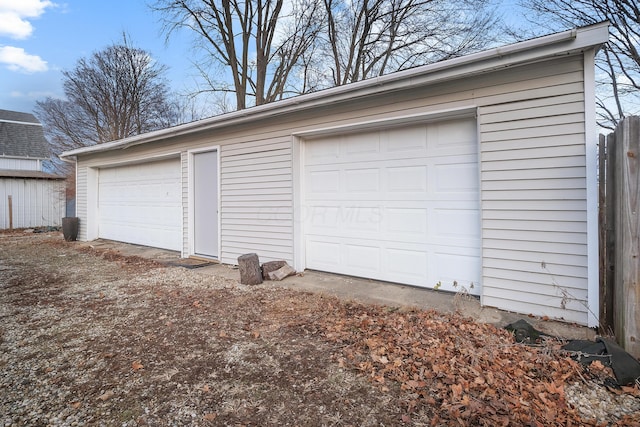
(399, 204)
(205, 204)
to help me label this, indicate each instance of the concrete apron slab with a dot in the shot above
(367, 291)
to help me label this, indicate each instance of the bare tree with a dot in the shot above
(618, 62)
(259, 42)
(367, 38)
(270, 49)
(115, 93)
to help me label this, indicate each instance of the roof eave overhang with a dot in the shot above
(559, 44)
(27, 174)
(10, 156)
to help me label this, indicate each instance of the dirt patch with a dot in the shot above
(92, 337)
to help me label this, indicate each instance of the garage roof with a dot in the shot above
(563, 43)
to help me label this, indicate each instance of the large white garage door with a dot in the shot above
(141, 204)
(399, 205)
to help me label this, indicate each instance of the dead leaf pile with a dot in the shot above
(464, 373)
(127, 261)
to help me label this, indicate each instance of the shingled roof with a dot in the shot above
(21, 135)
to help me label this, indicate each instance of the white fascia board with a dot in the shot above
(563, 43)
(5, 156)
(18, 122)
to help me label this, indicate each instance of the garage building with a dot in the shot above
(476, 172)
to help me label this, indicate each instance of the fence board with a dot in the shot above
(610, 229)
(627, 261)
(604, 237)
(620, 234)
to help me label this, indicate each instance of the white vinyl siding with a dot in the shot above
(534, 222)
(184, 167)
(82, 201)
(20, 164)
(256, 199)
(34, 202)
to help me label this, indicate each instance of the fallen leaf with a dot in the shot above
(543, 397)
(106, 396)
(465, 400)
(630, 390)
(137, 365)
(76, 405)
(597, 366)
(210, 417)
(206, 388)
(256, 334)
(196, 304)
(412, 384)
(553, 388)
(456, 390)
(223, 334)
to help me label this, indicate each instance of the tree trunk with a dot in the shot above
(249, 266)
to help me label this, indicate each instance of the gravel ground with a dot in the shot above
(593, 401)
(92, 338)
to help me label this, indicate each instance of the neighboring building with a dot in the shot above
(29, 197)
(477, 171)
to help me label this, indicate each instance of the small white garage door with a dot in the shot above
(141, 204)
(399, 204)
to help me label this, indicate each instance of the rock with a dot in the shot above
(282, 272)
(525, 332)
(249, 266)
(271, 266)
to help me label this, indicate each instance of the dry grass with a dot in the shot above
(91, 337)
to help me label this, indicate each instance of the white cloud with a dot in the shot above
(16, 59)
(34, 95)
(14, 15)
(11, 25)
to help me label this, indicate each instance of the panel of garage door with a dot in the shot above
(141, 204)
(400, 205)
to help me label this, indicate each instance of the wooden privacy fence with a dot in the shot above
(619, 217)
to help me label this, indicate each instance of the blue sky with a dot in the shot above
(40, 38)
